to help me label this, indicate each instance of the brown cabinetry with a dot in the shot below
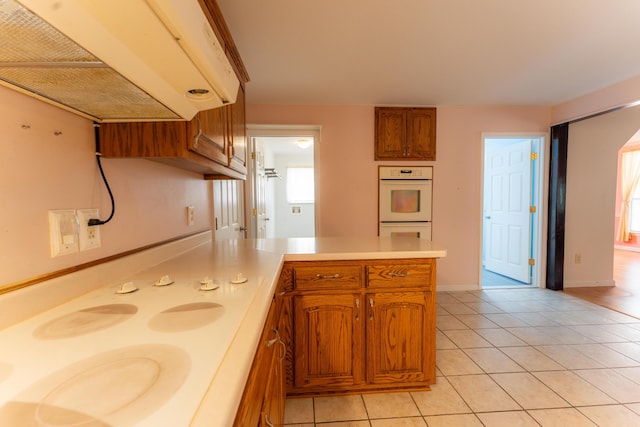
(405, 133)
(212, 144)
(362, 325)
(262, 402)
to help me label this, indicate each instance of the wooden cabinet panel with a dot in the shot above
(421, 134)
(398, 345)
(405, 133)
(391, 133)
(238, 133)
(331, 276)
(413, 274)
(209, 135)
(328, 341)
(263, 397)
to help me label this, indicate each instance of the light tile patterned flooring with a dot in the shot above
(508, 358)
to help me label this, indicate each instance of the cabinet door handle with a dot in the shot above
(357, 309)
(275, 339)
(371, 309)
(331, 276)
(405, 274)
(267, 421)
(196, 138)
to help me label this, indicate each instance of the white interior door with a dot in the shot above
(228, 208)
(260, 193)
(506, 210)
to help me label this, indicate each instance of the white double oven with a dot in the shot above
(405, 197)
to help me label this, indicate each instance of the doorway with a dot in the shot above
(281, 181)
(511, 214)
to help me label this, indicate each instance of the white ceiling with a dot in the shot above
(433, 52)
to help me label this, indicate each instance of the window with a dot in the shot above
(300, 185)
(630, 195)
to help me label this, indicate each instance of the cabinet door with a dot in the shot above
(391, 133)
(210, 138)
(274, 399)
(328, 341)
(399, 348)
(421, 134)
(238, 134)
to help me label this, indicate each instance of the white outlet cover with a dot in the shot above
(63, 232)
(190, 215)
(89, 236)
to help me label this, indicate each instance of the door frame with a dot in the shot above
(256, 131)
(540, 190)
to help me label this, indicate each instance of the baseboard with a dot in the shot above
(589, 283)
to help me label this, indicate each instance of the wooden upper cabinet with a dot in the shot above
(405, 133)
(213, 143)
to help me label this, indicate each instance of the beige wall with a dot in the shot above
(40, 171)
(348, 174)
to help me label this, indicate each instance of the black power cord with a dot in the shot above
(96, 221)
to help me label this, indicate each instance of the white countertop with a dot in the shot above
(191, 370)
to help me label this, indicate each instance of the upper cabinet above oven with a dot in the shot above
(405, 133)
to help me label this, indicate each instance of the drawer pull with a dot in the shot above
(329, 276)
(405, 274)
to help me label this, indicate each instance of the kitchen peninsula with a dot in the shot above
(163, 351)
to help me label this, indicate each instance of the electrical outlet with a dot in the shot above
(89, 236)
(63, 232)
(190, 215)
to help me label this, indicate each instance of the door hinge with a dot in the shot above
(253, 155)
(534, 156)
(532, 261)
(532, 209)
(254, 212)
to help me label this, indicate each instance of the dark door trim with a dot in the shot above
(557, 206)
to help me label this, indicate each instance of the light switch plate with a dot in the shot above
(89, 236)
(63, 232)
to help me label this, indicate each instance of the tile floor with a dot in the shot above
(508, 358)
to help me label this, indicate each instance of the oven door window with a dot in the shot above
(405, 201)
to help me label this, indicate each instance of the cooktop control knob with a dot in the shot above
(127, 288)
(239, 278)
(164, 281)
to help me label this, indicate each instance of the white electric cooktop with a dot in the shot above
(137, 353)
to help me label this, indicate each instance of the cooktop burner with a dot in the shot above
(85, 321)
(187, 316)
(118, 387)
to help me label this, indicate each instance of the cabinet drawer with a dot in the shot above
(327, 277)
(417, 275)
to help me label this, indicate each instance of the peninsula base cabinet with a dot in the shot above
(377, 334)
(343, 327)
